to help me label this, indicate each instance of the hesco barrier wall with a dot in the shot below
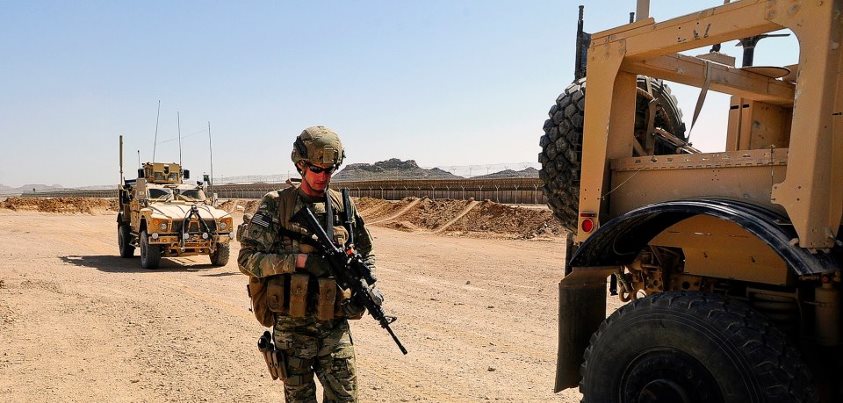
(509, 190)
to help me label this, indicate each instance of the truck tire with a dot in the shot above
(691, 347)
(562, 141)
(124, 240)
(150, 254)
(219, 257)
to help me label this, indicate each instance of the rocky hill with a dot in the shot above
(391, 169)
(528, 172)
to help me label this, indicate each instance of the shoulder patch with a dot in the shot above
(260, 219)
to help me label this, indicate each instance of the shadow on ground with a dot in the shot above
(117, 264)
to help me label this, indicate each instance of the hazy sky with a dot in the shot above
(441, 82)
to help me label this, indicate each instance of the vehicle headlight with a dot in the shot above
(226, 223)
(159, 224)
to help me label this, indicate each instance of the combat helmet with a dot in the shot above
(318, 145)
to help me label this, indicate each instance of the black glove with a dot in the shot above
(352, 310)
(316, 265)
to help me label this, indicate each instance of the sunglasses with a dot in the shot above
(318, 170)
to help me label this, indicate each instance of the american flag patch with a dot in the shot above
(260, 220)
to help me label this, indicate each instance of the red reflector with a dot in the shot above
(587, 225)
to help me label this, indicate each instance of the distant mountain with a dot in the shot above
(29, 188)
(97, 187)
(528, 172)
(392, 168)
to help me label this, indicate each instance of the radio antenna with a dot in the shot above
(211, 148)
(155, 142)
(178, 124)
(121, 160)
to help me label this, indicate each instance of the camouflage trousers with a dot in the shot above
(323, 348)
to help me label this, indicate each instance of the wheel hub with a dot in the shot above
(666, 376)
(663, 390)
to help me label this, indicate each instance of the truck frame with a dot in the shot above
(710, 246)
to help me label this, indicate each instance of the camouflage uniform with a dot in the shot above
(311, 346)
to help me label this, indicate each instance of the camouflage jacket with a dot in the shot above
(265, 248)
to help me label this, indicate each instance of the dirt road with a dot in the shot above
(77, 322)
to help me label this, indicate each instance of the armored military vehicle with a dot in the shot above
(165, 217)
(728, 263)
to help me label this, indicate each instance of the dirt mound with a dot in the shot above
(486, 219)
(378, 209)
(433, 214)
(88, 205)
(503, 219)
(228, 205)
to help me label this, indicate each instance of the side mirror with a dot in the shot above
(140, 172)
(186, 173)
(206, 178)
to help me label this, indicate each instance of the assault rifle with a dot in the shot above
(347, 267)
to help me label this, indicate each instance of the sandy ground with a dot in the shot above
(79, 323)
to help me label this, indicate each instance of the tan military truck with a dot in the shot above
(728, 263)
(166, 217)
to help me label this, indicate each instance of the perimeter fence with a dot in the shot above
(503, 190)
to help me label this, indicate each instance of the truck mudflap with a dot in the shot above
(582, 307)
(619, 240)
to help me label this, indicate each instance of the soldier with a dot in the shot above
(290, 286)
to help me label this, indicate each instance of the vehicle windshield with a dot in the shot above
(160, 194)
(190, 194)
(165, 194)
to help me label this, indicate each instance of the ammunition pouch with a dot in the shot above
(327, 299)
(276, 294)
(298, 295)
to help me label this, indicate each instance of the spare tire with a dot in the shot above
(562, 141)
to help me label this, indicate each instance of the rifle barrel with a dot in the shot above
(395, 338)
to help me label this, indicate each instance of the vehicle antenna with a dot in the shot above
(211, 148)
(139, 164)
(121, 159)
(155, 142)
(178, 124)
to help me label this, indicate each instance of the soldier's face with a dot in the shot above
(318, 176)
